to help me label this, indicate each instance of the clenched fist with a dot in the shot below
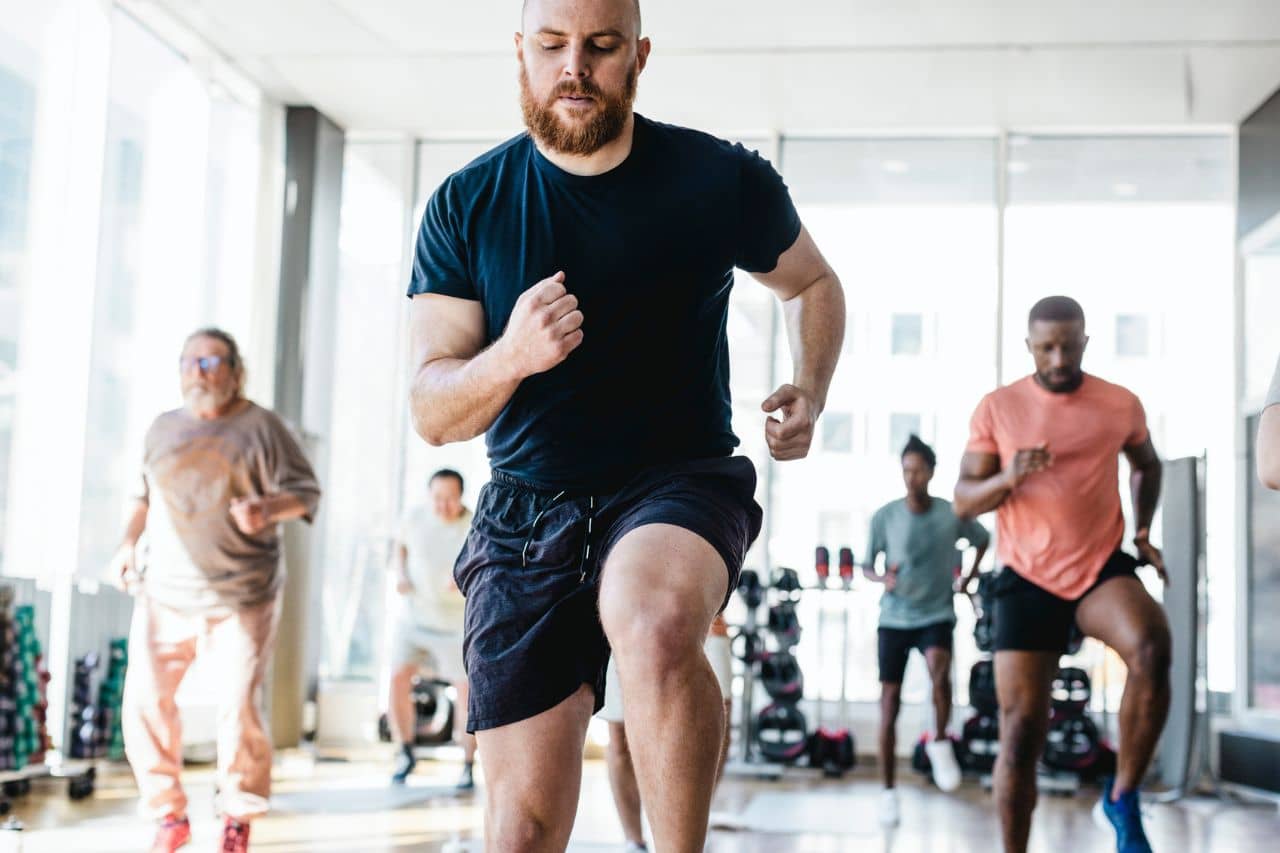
(790, 437)
(1026, 462)
(545, 326)
(251, 515)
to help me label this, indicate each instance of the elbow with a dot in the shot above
(961, 506)
(1269, 471)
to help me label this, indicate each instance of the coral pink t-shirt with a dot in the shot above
(1059, 527)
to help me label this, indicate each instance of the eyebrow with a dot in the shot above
(546, 31)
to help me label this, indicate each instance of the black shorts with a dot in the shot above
(1029, 618)
(530, 571)
(896, 645)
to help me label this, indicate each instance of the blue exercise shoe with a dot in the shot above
(1125, 817)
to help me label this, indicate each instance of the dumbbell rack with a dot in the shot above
(750, 764)
(20, 594)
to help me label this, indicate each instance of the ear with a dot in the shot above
(642, 53)
(1028, 342)
(519, 42)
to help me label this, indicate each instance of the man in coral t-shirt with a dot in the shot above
(1044, 453)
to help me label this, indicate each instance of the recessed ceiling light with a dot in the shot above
(1124, 190)
(895, 167)
(1018, 167)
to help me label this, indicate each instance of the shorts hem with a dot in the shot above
(532, 709)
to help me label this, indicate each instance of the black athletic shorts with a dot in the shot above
(530, 571)
(1031, 619)
(896, 645)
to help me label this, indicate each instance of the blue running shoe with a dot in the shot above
(1125, 817)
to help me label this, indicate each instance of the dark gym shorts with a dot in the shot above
(1029, 618)
(896, 645)
(530, 571)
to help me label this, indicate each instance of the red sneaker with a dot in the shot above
(235, 837)
(173, 833)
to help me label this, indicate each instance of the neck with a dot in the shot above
(919, 502)
(602, 160)
(220, 411)
(1073, 385)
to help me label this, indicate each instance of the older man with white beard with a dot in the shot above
(219, 475)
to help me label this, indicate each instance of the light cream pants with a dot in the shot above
(162, 644)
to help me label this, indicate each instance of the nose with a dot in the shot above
(576, 67)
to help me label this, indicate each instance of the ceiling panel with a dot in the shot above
(447, 68)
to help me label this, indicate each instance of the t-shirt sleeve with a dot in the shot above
(982, 430)
(440, 256)
(977, 535)
(1273, 396)
(769, 221)
(1138, 432)
(289, 471)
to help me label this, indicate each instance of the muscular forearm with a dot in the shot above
(976, 495)
(1144, 484)
(457, 399)
(1268, 451)
(815, 330)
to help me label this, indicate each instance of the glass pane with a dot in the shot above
(901, 427)
(19, 76)
(176, 252)
(1132, 335)
(1264, 588)
(908, 334)
(909, 225)
(362, 491)
(837, 432)
(1140, 229)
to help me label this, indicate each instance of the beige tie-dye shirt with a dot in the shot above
(195, 556)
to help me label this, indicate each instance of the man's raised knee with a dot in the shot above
(1021, 738)
(663, 633)
(1152, 657)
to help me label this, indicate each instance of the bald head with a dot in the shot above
(534, 4)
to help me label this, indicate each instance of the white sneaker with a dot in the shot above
(889, 807)
(942, 758)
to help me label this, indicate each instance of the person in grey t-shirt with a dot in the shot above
(917, 537)
(1268, 451)
(219, 476)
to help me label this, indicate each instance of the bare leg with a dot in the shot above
(662, 584)
(939, 661)
(890, 702)
(622, 779)
(724, 747)
(533, 771)
(1022, 686)
(1121, 614)
(401, 715)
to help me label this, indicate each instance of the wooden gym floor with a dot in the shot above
(343, 803)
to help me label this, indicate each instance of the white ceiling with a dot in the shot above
(445, 68)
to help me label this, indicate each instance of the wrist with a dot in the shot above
(1142, 535)
(504, 363)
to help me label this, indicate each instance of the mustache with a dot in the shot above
(575, 88)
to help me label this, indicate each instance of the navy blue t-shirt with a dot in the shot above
(649, 249)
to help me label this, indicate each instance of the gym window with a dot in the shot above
(901, 426)
(1133, 338)
(908, 334)
(837, 432)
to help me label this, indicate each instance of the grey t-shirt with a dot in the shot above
(924, 547)
(192, 470)
(1273, 396)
